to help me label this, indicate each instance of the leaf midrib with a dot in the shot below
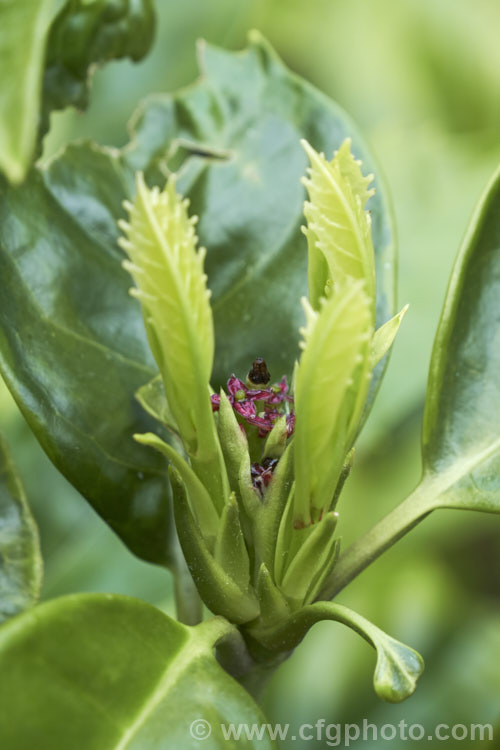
(192, 649)
(446, 480)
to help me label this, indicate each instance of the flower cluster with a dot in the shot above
(259, 407)
(259, 404)
(253, 493)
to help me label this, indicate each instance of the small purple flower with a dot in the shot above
(235, 386)
(262, 473)
(246, 409)
(279, 392)
(244, 401)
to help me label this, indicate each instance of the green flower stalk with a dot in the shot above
(257, 469)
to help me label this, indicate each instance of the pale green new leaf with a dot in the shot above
(151, 397)
(385, 335)
(330, 391)
(338, 227)
(398, 666)
(24, 29)
(201, 502)
(230, 551)
(171, 286)
(310, 560)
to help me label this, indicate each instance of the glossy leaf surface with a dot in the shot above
(103, 671)
(461, 439)
(87, 34)
(20, 559)
(72, 344)
(235, 136)
(73, 347)
(47, 50)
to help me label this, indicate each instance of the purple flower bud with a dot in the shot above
(263, 473)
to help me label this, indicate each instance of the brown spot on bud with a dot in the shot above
(259, 374)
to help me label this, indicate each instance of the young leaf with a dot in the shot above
(250, 497)
(200, 501)
(398, 666)
(270, 514)
(230, 550)
(108, 671)
(65, 293)
(255, 113)
(319, 587)
(233, 442)
(397, 669)
(273, 605)
(284, 537)
(171, 286)
(216, 586)
(276, 440)
(461, 435)
(385, 335)
(20, 559)
(331, 388)
(151, 397)
(312, 560)
(338, 226)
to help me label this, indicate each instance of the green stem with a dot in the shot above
(235, 658)
(290, 633)
(383, 535)
(217, 630)
(255, 680)
(188, 605)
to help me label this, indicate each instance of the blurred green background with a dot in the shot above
(422, 79)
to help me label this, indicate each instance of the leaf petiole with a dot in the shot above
(383, 535)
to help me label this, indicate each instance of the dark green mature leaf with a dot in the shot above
(104, 671)
(72, 344)
(461, 437)
(85, 34)
(20, 559)
(47, 48)
(236, 134)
